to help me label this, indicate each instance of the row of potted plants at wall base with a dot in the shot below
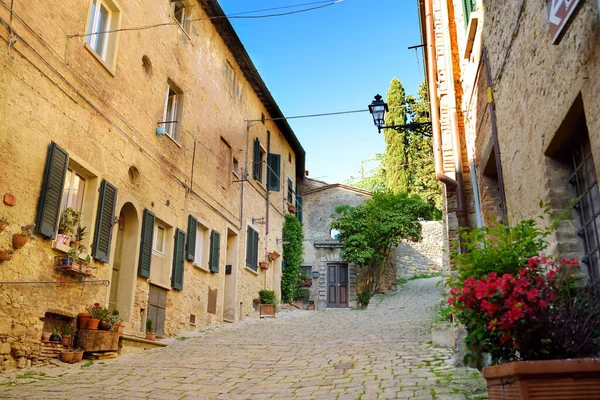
(536, 319)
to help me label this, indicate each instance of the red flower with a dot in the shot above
(532, 294)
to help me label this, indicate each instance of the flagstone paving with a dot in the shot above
(379, 353)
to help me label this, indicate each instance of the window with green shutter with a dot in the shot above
(256, 167)
(274, 172)
(215, 251)
(146, 244)
(104, 221)
(468, 7)
(190, 251)
(299, 208)
(252, 249)
(178, 263)
(52, 191)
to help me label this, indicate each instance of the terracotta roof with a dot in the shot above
(233, 42)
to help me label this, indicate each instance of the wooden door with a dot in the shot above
(157, 304)
(337, 285)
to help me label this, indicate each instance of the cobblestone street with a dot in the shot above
(382, 353)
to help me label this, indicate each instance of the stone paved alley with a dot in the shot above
(381, 353)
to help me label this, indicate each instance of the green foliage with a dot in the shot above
(369, 231)
(69, 220)
(364, 296)
(267, 296)
(395, 158)
(149, 325)
(443, 312)
(292, 256)
(500, 248)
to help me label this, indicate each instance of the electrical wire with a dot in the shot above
(282, 7)
(231, 16)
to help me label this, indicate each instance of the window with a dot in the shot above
(273, 172)
(290, 191)
(233, 85)
(236, 167)
(252, 249)
(224, 165)
(202, 242)
(179, 12)
(306, 270)
(158, 244)
(104, 17)
(172, 112)
(583, 181)
(259, 161)
(74, 191)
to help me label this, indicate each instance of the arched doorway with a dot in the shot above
(122, 283)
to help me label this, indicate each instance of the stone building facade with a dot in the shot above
(522, 109)
(145, 132)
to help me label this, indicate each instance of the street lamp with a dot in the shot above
(378, 108)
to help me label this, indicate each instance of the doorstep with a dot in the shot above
(133, 344)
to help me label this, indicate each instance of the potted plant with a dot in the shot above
(527, 322)
(3, 224)
(20, 239)
(55, 336)
(46, 336)
(69, 219)
(149, 334)
(67, 332)
(291, 208)
(273, 255)
(98, 313)
(80, 235)
(67, 356)
(267, 303)
(77, 355)
(83, 318)
(311, 305)
(304, 279)
(117, 321)
(263, 265)
(6, 255)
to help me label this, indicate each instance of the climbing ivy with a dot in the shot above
(292, 256)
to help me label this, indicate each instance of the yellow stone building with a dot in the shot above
(151, 120)
(515, 109)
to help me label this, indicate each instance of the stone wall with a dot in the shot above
(424, 257)
(106, 117)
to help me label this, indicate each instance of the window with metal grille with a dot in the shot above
(583, 180)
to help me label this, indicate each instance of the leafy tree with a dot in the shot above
(369, 179)
(292, 256)
(369, 231)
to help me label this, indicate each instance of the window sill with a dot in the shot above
(173, 140)
(200, 267)
(182, 29)
(99, 59)
(158, 254)
(63, 248)
(251, 270)
(160, 285)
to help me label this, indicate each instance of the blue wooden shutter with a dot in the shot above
(178, 263)
(104, 221)
(146, 244)
(299, 208)
(215, 250)
(52, 191)
(256, 167)
(190, 252)
(274, 172)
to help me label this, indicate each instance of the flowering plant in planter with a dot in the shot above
(534, 314)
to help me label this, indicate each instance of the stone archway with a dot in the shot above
(124, 267)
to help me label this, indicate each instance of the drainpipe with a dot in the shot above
(461, 212)
(433, 99)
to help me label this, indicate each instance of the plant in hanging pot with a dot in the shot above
(149, 334)
(6, 255)
(291, 208)
(67, 332)
(20, 239)
(273, 255)
(540, 326)
(3, 224)
(263, 265)
(98, 313)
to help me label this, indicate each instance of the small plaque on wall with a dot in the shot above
(228, 270)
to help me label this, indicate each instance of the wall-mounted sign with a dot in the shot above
(559, 13)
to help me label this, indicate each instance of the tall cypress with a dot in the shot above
(395, 158)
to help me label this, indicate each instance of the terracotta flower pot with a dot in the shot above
(77, 355)
(93, 324)
(555, 379)
(46, 336)
(267, 310)
(6, 255)
(311, 307)
(19, 240)
(150, 336)
(66, 340)
(118, 327)
(84, 318)
(104, 326)
(263, 265)
(67, 356)
(3, 225)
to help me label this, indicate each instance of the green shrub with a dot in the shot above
(292, 257)
(267, 296)
(364, 296)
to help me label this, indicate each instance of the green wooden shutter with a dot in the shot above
(178, 263)
(256, 160)
(52, 191)
(299, 208)
(146, 244)
(255, 259)
(190, 252)
(468, 7)
(249, 247)
(215, 250)
(104, 221)
(274, 172)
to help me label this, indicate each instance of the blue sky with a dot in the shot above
(333, 59)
